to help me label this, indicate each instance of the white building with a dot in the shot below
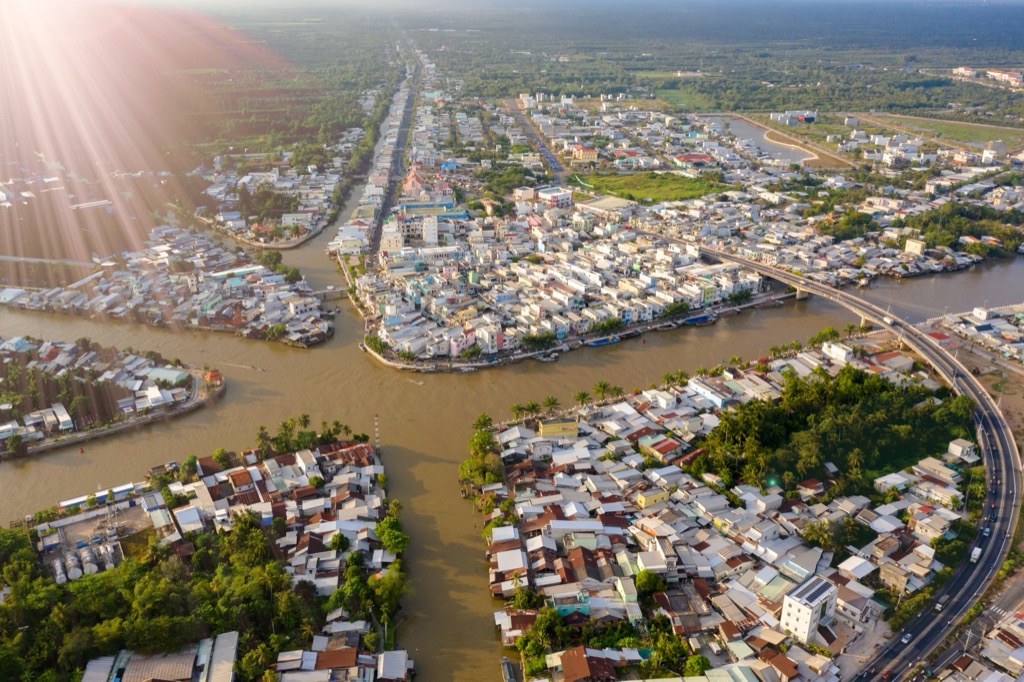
(810, 605)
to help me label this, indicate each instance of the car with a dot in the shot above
(907, 637)
(986, 531)
(887, 675)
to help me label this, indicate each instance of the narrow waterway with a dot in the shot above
(746, 131)
(424, 422)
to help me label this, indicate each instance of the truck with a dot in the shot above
(975, 555)
(942, 602)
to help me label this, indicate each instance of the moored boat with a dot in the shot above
(602, 341)
(508, 672)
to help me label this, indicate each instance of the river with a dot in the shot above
(424, 423)
(747, 131)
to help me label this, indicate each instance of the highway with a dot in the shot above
(896, 660)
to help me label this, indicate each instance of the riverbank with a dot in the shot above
(199, 400)
(820, 158)
(700, 317)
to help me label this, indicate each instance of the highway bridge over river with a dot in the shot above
(929, 629)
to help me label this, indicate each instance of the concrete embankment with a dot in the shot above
(563, 346)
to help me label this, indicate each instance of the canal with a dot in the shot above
(424, 423)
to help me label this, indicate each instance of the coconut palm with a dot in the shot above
(735, 360)
(850, 329)
(701, 371)
(616, 391)
(304, 420)
(532, 408)
(581, 398)
(483, 422)
(601, 389)
(517, 411)
(668, 378)
(550, 404)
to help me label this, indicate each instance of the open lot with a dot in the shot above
(683, 99)
(967, 133)
(653, 187)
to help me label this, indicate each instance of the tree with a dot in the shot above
(189, 469)
(550, 404)
(532, 408)
(391, 534)
(517, 411)
(581, 398)
(221, 458)
(648, 581)
(696, 666)
(483, 422)
(601, 389)
(339, 542)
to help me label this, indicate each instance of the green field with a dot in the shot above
(968, 133)
(685, 100)
(652, 187)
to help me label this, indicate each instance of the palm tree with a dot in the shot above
(550, 404)
(601, 389)
(735, 360)
(616, 391)
(304, 420)
(483, 422)
(581, 398)
(682, 376)
(850, 329)
(796, 345)
(532, 408)
(701, 371)
(774, 351)
(668, 378)
(263, 439)
(337, 427)
(517, 411)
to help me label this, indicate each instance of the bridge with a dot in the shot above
(1002, 460)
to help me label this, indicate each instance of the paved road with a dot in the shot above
(530, 130)
(1003, 471)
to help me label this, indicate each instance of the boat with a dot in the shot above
(632, 333)
(602, 341)
(666, 326)
(508, 671)
(701, 320)
(551, 357)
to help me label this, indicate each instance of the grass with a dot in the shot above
(137, 544)
(653, 187)
(683, 99)
(970, 133)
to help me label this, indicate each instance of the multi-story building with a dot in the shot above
(809, 606)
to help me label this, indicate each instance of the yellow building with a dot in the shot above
(559, 427)
(646, 498)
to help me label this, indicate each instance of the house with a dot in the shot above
(809, 606)
(393, 666)
(580, 664)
